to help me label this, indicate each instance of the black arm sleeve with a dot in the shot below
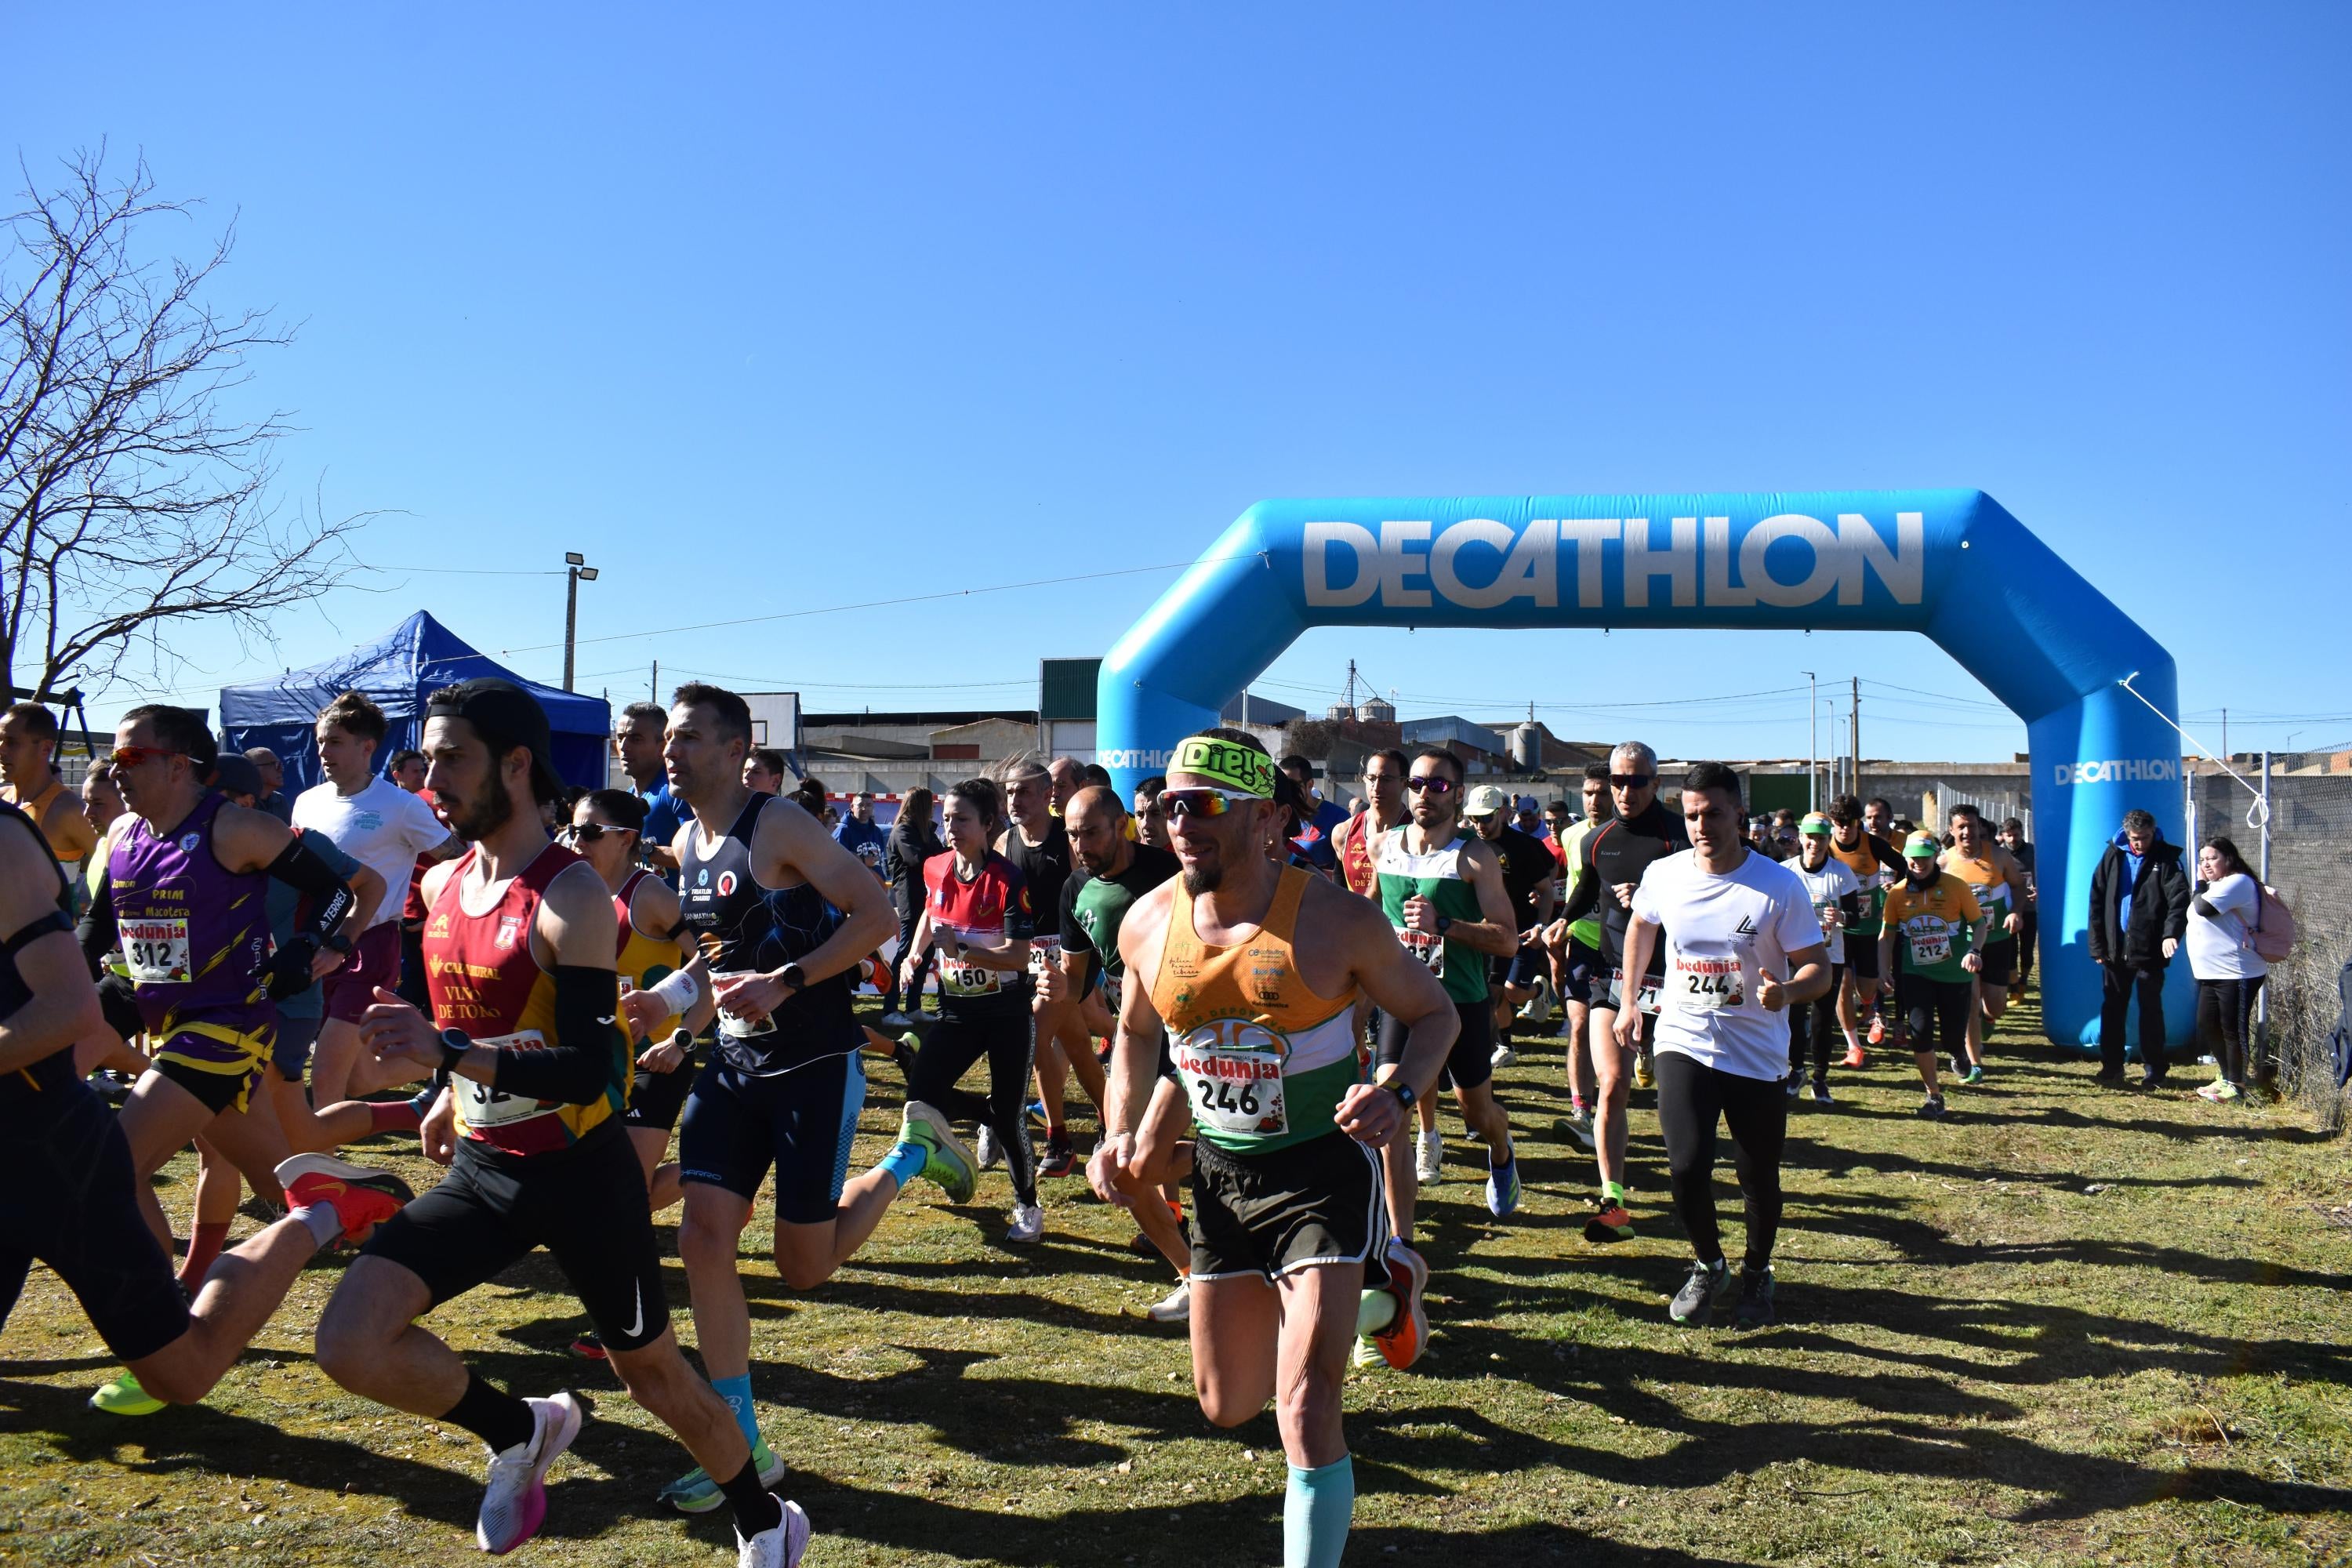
(577, 1066)
(2205, 908)
(301, 868)
(95, 931)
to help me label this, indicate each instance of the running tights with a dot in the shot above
(1816, 1022)
(957, 1040)
(1691, 1098)
(1936, 1012)
(2225, 1013)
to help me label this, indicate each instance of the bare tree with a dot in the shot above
(131, 502)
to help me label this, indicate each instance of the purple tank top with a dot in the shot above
(193, 934)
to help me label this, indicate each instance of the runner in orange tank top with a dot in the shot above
(1252, 971)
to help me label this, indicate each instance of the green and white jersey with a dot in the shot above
(1437, 876)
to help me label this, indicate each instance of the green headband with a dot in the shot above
(1229, 762)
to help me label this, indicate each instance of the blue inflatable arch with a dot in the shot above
(1950, 564)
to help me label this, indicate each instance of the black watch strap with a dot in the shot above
(793, 977)
(455, 1044)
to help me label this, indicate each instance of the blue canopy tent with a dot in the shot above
(398, 671)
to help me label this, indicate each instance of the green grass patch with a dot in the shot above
(2067, 1325)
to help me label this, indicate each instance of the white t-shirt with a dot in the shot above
(383, 827)
(1723, 934)
(1824, 889)
(2214, 950)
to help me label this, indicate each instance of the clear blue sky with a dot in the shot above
(792, 308)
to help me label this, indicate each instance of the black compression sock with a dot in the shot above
(497, 1418)
(756, 1508)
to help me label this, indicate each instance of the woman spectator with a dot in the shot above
(2222, 955)
(913, 840)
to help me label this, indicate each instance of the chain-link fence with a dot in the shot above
(2310, 866)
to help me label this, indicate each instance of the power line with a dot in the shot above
(886, 604)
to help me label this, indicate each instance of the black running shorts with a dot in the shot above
(2000, 961)
(656, 1097)
(803, 1122)
(1470, 1063)
(1935, 1012)
(1582, 969)
(1262, 1215)
(586, 1205)
(67, 1198)
(1862, 957)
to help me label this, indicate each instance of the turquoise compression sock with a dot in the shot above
(904, 1162)
(1316, 1513)
(736, 1392)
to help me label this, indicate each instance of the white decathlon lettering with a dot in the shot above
(1676, 561)
(1588, 534)
(1360, 543)
(1814, 584)
(1530, 567)
(2117, 770)
(1902, 570)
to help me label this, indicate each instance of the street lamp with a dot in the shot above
(576, 571)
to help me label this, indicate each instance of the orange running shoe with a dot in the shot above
(1877, 1028)
(1407, 1335)
(1855, 1056)
(362, 1198)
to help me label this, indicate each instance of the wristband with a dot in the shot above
(678, 991)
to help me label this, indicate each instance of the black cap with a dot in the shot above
(232, 775)
(505, 716)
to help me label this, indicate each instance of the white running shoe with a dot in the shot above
(1505, 1057)
(1176, 1307)
(782, 1547)
(1580, 1123)
(1028, 1224)
(1429, 1158)
(1538, 1007)
(992, 1153)
(514, 1504)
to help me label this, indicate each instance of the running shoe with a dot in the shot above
(1028, 1224)
(1036, 1110)
(1366, 1353)
(1400, 1343)
(112, 1087)
(695, 1492)
(1176, 1307)
(945, 1161)
(1609, 1223)
(1060, 1161)
(514, 1504)
(2228, 1090)
(1755, 1308)
(1932, 1108)
(1975, 1073)
(123, 1396)
(992, 1153)
(900, 1020)
(1642, 1076)
(1822, 1093)
(1580, 1123)
(1877, 1033)
(362, 1198)
(1792, 1085)
(1855, 1056)
(1504, 1056)
(2211, 1091)
(782, 1547)
(1694, 1304)
(1503, 1184)
(1429, 1158)
(1538, 1007)
(590, 1345)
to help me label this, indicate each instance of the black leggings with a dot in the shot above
(1935, 1010)
(906, 923)
(1007, 1039)
(2225, 1016)
(1816, 1021)
(1692, 1097)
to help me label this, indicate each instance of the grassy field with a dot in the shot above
(2065, 1326)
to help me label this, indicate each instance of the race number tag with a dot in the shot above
(733, 1027)
(1930, 947)
(1232, 1074)
(155, 948)
(1706, 985)
(1428, 950)
(1114, 990)
(1645, 999)
(965, 978)
(479, 1105)
(1044, 953)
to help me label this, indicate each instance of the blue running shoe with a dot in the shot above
(1503, 1186)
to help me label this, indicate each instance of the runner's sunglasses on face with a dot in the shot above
(1435, 784)
(1632, 781)
(132, 756)
(589, 832)
(1179, 802)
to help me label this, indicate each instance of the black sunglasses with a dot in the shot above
(1432, 782)
(589, 832)
(1632, 781)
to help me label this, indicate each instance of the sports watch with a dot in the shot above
(455, 1044)
(1444, 924)
(1401, 1090)
(791, 975)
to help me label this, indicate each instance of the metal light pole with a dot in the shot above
(1813, 743)
(576, 571)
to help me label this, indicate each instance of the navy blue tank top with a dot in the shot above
(742, 925)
